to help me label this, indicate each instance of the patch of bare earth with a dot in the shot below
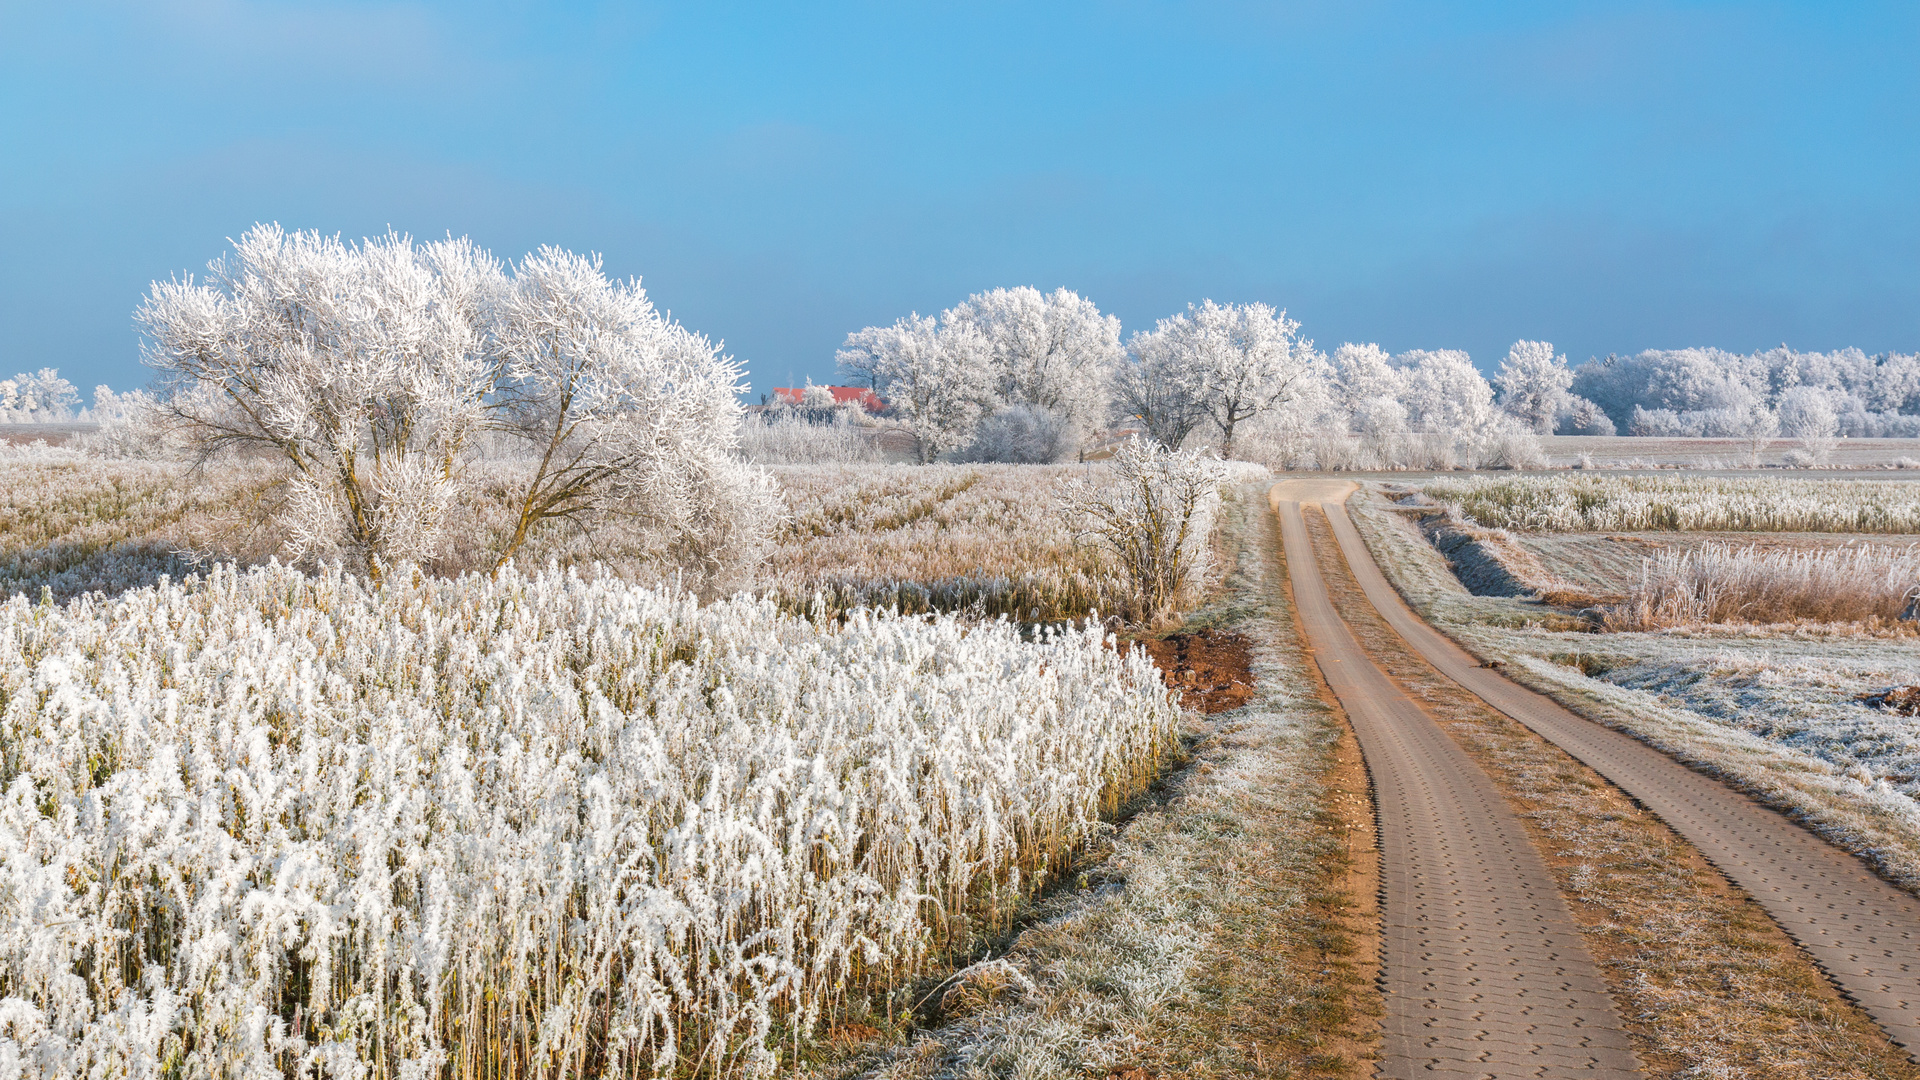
(1227, 929)
(1708, 985)
(1212, 670)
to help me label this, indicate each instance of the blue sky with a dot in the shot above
(1610, 177)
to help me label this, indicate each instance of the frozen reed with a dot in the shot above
(1722, 583)
(273, 823)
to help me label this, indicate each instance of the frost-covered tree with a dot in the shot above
(370, 369)
(38, 397)
(365, 368)
(1362, 374)
(625, 411)
(1533, 385)
(1052, 351)
(1160, 388)
(934, 377)
(1583, 417)
(1245, 359)
(1807, 414)
(1444, 392)
(1756, 427)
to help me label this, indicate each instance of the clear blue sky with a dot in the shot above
(1610, 177)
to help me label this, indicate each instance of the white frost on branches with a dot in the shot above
(1155, 515)
(40, 397)
(934, 376)
(1533, 385)
(370, 369)
(1052, 351)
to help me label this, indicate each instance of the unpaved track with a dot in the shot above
(1863, 932)
(1484, 972)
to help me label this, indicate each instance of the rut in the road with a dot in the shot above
(1484, 971)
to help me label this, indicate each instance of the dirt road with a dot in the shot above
(1863, 932)
(1484, 971)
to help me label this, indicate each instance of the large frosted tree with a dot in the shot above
(1159, 387)
(1532, 385)
(369, 369)
(1053, 351)
(1244, 359)
(934, 376)
(624, 411)
(365, 368)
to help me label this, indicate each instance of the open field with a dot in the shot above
(516, 752)
(1771, 708)
(1680, 503)
(1622, 451)
(984, 539)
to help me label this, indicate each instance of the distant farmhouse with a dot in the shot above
(842, 395)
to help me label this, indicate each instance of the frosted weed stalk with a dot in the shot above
(274, 823)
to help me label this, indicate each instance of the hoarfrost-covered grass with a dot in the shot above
(276, 823)
(1720, 583)
(1583, 503)
(985, 539)
(1770, 708)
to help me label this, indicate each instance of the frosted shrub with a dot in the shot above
(373, 373)
(269, 823)
(1723, 583)
(1019, 434)
(1155, 516)
(775, 438)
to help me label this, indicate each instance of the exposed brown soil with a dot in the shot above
(1212, 669)
(1903, 700)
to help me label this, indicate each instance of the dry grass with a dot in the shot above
(1721, 583)
(1707, 984)
(986, 540)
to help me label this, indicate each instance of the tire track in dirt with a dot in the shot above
(1863, 932)
(1484, 972)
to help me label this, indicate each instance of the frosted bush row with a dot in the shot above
(1596, 503)
(272, 823)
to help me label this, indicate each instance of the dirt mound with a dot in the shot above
(1212, 670)
(1903, 700)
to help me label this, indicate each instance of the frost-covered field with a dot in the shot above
(1575, 502)
(1771, 707)
(269, 822)
(986, 538)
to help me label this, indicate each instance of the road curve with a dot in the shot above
(1863, 932)
(1484, 972)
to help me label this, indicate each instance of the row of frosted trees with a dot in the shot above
(1017, 374)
